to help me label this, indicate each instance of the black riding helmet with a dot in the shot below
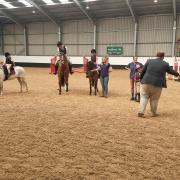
(93, 51)
(7, 54)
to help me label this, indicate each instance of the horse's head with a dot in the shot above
(63, 58)
(1, 62)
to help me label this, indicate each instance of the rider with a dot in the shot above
(92, 63)
(62, 50)
(11, 63)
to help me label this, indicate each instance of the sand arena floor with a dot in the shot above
(76, 136)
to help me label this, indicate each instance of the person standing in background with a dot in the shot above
(132, 67)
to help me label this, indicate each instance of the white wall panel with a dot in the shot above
(35, 39)
(50, 28)
(50, 39)
(35, 50)
(85, 26)
(19, 39)
(70, 27)
(9, 39)
(35, 28)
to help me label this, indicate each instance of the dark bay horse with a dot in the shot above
(63, 72)
(93, 75)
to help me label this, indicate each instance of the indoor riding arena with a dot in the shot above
(70, 45)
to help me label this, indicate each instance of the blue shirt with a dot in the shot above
(132, 67)
(104, 71)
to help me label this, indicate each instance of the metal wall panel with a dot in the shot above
(9, 39)
(85, 38)
(35, 39)
(85, 26)
(20, 50)
(164, 21)
(178, 20)
(145, 49)
(50, 28)
(163, 35)
(35, 50)
(9, 48)
(35, 28)
(72, 50)
(106, 25)
(8, 29)
(146, 22)
(152, 49)
(84, 50)
(50, 50)
(50, 39)
(145, 36)
(19, 29)
(70, 38)
(19, 39)
(70, 27)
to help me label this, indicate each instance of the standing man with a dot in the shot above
(153, 79)
(132, 67)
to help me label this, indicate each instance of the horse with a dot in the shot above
(19, 75)
(93, 75)
(63, 72)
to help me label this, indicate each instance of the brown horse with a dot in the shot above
(63, 72)
(93, 75)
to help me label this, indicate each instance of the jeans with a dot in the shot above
(104, 84)
(149, 92)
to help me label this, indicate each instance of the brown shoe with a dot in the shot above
(155, 115)
(140, 114)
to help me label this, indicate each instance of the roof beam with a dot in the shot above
(131, 10)
(174, 9)
(43, 11)
(83, 10)
(12, 18)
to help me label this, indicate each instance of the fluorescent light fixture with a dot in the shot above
(25, 3)
(155, 1)
(90, 0)
(7, 4)
(49, 2)
(65, 1)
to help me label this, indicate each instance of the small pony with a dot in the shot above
(63, 72)
(19, 74)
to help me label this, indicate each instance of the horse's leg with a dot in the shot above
(95, 87)
(1, 88)
(90, 87)
(25, 83)
(20, 82)
(59, 85)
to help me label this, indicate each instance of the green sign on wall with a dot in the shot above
(112, 50)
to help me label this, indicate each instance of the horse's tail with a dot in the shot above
(92, 83)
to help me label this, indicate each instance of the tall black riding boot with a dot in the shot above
(56, 68)
(132, 96)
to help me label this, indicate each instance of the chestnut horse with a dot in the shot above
(63, 72)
